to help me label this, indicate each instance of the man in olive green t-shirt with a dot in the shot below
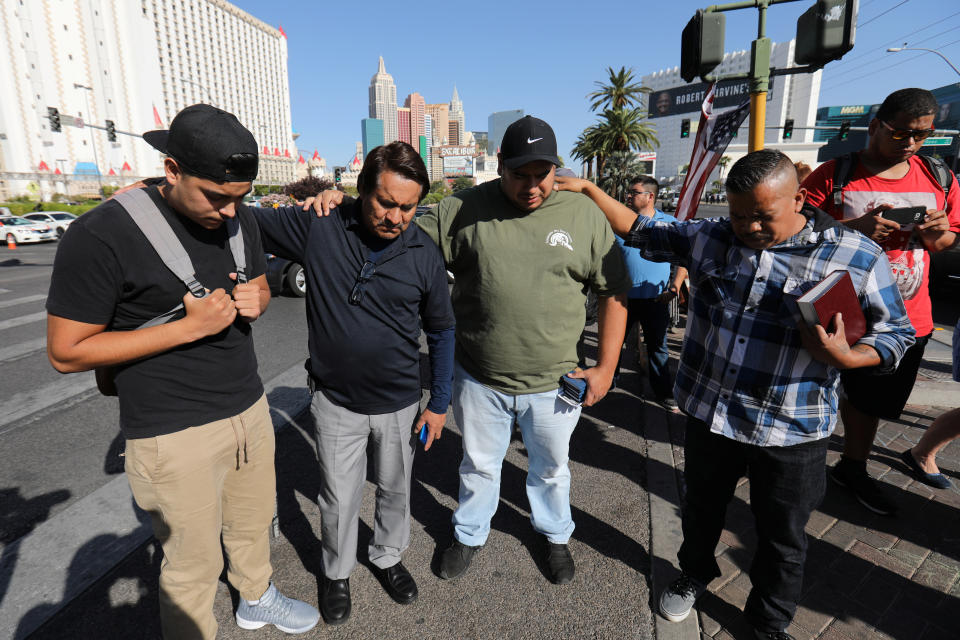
(523, 257)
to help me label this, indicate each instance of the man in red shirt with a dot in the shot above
(885, 175)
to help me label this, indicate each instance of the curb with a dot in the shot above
(665, 532)
(95, 534)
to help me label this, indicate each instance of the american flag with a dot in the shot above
(713, 136)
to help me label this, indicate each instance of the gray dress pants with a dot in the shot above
(342, 438)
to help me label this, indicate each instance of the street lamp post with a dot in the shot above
(93, 142)
(202, 86)
(906, 48)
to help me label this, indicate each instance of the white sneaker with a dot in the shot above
(286, 614)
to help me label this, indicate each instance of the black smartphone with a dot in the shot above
(906, 215)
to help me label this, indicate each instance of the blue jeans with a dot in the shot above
(654, 319)
(486, 417)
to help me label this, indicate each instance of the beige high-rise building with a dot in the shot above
(383, 102)
(135, 63)
(441, 127)
(418, 109)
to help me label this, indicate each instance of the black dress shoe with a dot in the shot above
(560, 563)
(398, 583)
(335, 600)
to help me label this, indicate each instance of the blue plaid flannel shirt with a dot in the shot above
(743, 370)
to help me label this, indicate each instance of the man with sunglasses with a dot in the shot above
(888, 174)
(199, 438)
(653, 289)
(372, 280)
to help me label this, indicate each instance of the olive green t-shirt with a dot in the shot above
(521, 281)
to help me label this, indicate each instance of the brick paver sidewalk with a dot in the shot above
(866, 576)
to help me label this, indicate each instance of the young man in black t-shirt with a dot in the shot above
(200, 442)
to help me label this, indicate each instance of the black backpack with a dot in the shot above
(846, 164)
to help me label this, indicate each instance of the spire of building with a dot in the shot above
(383, 102)
(456, 98)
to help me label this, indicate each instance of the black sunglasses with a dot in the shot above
(366, 272)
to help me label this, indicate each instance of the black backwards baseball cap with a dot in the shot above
(527, 140)
(210, 143)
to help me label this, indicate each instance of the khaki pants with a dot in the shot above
(199, 484)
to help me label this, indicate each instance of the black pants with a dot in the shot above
(786, 485)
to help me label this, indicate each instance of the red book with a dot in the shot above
(832, 295)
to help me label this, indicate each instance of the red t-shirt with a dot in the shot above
(865, 192)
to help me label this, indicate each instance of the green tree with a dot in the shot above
(461, 183)
(618, 170)
(619, 92)
(722, 163)
(622, 125)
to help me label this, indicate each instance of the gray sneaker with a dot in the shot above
(677, 599)
(286, 614)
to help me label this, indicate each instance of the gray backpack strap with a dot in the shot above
(145, 213)
(236, 247)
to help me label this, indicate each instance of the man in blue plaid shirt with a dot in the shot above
(758, 385)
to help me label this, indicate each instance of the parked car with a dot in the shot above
(670, 202)
(22, 231)
(286, 276)
(59, 220)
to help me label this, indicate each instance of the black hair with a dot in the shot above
(648, 181)
(913, 102)
(398, 157)
(755, 168)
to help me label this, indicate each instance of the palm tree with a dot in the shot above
(618, 171)
(722, 163)
(621, 126)
(621, 92)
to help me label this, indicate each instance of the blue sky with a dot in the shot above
(545, 57)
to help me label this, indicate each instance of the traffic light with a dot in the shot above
(337, 171)
(685, 128)
(54, 115)
(701, 44)
(787, 128)
(825, 32)
(844, 131)
(111, 131)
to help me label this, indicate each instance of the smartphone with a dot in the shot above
(423, 434)
(906, 215)
(572, 390)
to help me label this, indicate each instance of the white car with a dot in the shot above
(59, 220)
(21, 231)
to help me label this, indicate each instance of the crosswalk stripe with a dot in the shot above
(27, 319)
(21, 405)
(21, 349)
(23, 300)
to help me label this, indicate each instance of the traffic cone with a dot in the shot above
(11, 243)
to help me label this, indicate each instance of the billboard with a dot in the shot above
(456, 166)
(689, 97)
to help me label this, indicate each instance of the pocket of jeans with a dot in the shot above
(142, 458)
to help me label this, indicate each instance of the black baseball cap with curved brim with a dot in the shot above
(209, 143)
(527, 140)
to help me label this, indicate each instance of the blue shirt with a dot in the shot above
(743, 370)
(366, 357)
(649, 279)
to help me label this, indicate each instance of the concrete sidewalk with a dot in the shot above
(866, 576)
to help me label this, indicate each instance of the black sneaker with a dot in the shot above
(560, 563)
(456, 560)
(866, 489)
